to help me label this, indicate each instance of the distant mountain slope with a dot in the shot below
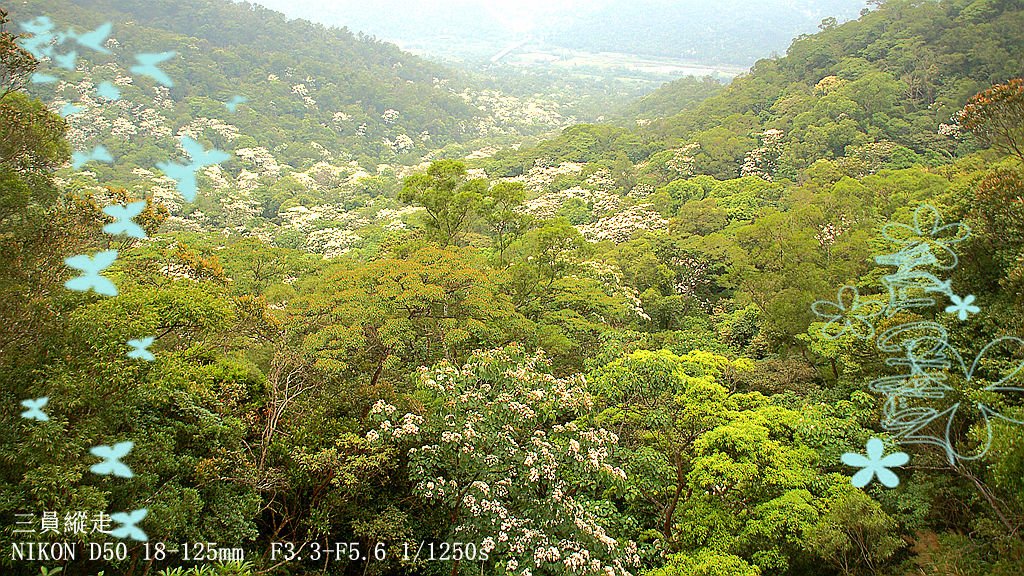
(881, 86)
(304, 82)
(329, 119)
(670, 99)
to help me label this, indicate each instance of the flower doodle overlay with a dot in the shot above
(46, 44)
(936, 394)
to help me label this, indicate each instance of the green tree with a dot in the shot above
(855, 535)
(500, 211)
(450, 198)
(996, 117)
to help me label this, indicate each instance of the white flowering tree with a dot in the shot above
(506, 458)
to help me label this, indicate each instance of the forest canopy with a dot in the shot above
(767, 328)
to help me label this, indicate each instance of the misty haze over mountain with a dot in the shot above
(727, 32)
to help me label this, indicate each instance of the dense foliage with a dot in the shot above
(599, 355)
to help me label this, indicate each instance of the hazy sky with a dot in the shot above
(514, 16)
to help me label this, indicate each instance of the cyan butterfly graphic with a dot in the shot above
(112, 465)
(66, 61)
(140, 346)
(97, 154)
(184, 174)
(147, 67)
(108, 91)
(40, 78)
(128, 521)
(233, 103)
(123, 215)
(35, 409)
(94, 39)
(40, 43)
(91, 268)
(69, 109)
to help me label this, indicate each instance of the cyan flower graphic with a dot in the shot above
(848, 314)
(929, 229)
(875, 464)
(962, 306)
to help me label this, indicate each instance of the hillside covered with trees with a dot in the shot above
(771, 328)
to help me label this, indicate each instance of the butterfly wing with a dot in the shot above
(185, 177)
(105, 452)
(150, 59)
(148, 67)
(66, 61)
(116, 211)
(135, 208)
(143, 343)
(79, 284)
(104, 259)
(191, 147)
(96, 38)
(40, 78)
(121, 449)
(102, 468)
(187, 187)
(130, 518)
(233, 103)
(177, 171)
(37, 25)
(212, 157)
(140, 346)
(103, 286)
(151, 71)
(108, 91)
(115, 228)
(101, 154)
(69, 109)
(35, 403)
(81, 262)
(134, 230)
